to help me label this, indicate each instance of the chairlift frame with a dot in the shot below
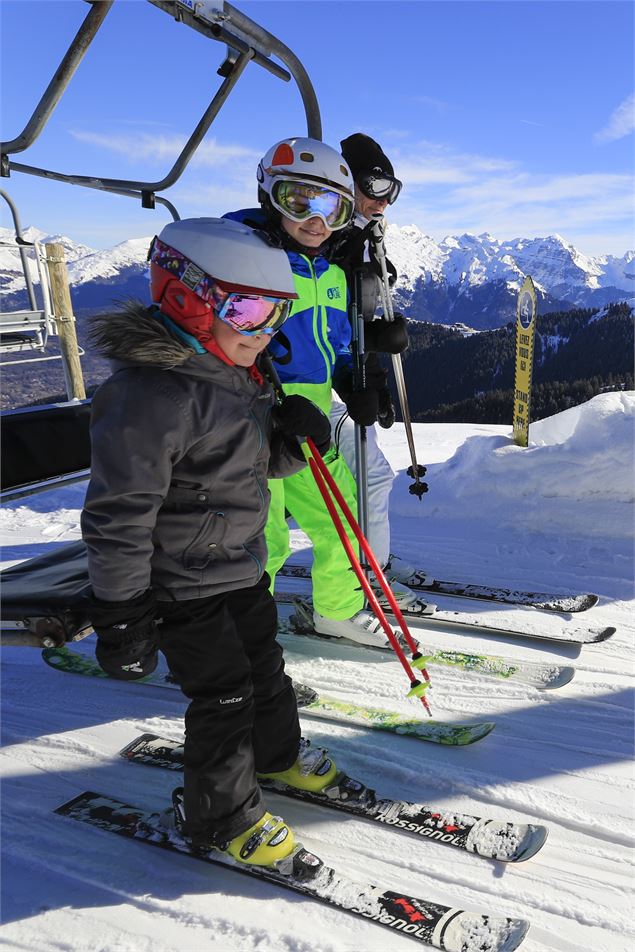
(218, 20)
(246, 41)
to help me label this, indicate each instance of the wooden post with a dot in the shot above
(65, 321)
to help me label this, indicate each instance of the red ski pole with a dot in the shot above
(368, 552)
(322, 478)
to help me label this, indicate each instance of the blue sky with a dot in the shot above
(505, 116)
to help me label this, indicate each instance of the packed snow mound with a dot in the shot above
(576, 474)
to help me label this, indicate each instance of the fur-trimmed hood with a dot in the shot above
(135, 335)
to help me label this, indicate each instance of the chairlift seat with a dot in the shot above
(23, 330)
(44, 599)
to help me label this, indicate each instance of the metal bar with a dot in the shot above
(54, 482)
(128, 186)
(384, 289)
(297, 70)
(208, 19)
(23, 255)
(91, 183)
(60, 80)
(215, 28)
(361, 439)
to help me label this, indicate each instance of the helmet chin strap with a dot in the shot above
(193, 315)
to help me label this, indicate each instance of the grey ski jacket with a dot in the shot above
(182, 446)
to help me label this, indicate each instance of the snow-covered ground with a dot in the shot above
(557, 516)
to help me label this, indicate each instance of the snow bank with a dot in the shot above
(583, 455)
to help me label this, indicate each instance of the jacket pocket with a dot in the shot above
(207, 542)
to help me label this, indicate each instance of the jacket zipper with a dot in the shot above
(320, 325)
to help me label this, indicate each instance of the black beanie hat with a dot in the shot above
(363, 154)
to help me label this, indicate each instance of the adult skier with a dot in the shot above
(184, 435)
(376, 187)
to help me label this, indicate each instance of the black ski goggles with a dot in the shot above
(379, 186)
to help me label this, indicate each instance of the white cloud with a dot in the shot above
(447, 192)
(621, 122)
(437, 104)
(168, 147)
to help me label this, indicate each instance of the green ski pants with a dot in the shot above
(337, 593)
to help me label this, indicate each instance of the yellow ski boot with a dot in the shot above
(313, 771)
(263, 844)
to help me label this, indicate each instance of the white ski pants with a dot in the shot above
(380, 477)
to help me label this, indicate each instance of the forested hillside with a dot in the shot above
(579, 353)
(449, 377)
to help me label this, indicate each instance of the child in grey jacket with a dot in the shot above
(185, 434)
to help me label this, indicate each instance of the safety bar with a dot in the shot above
(221, 22)
(27, 329)
(17, 227)
(61, 78)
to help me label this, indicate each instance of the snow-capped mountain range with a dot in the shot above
(468, 278)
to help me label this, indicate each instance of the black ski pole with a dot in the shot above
(359, 382)
(416, 471)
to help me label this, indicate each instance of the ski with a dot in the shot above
(417, 613)
(429, 923)
(421, 582)
(492, 839)
(311, 704)
(541, 675)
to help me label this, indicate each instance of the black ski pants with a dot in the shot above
(242, 717)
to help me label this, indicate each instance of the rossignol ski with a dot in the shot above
(428, 923)
(493, 839)
(310, 703)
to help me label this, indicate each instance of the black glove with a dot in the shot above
(347, 248)
(386, 337)
(298, 417)
(386, 414)
(391, 271)
(127, 641)
(363, 406)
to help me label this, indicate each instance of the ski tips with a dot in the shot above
(565, 675)
(605, 633)
(534, 841)
(468, 932)
(518, 931)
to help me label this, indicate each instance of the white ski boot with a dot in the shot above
(396, 570)
(363, 628)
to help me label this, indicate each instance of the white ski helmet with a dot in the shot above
(196, 262)
(300, 159)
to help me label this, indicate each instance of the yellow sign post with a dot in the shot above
(525, 333)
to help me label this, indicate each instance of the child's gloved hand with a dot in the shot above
(299, 417)
(127, 640)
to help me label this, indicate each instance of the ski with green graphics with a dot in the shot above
(492, 839)
(538, 674)
(428, 923)
(310, 703)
